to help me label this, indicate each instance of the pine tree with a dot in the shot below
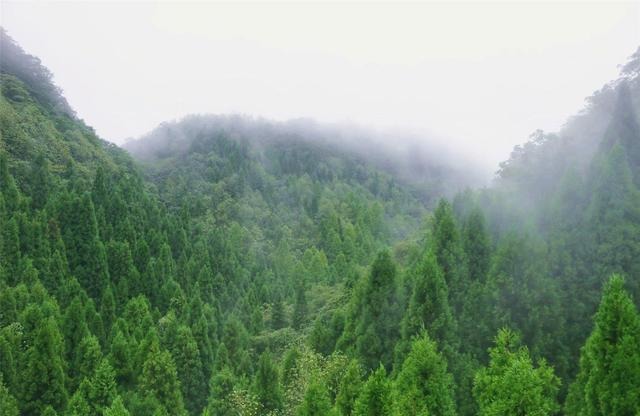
(8, 403)
(86, 360)
(316, 401)
(8, 188)
(350, 387)
(189, 367)
(267, 384)
(103, 387)
(511, 385)
(428, 308)
(423, 386)
(221, 386)
(10, 252)
(609, 379)
(117, 408)
(447, 246)
(375, 396)
(40, 181)
(85, 252)
(376, 327)
(300, 307)
(43, 378)
(476, 246)
(278, 318)
(160, 380)
(614, 219)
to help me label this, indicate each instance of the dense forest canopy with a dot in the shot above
(232, 266)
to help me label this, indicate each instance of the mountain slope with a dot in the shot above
(247, 267)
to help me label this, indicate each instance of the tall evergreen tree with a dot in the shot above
(609, 379)
(449, 252)
(316, 401)
(350, 387)
(428, 308)
(267, 384)
(511, 385)
(376, 328)
(300, 307)
(160, 380)
(8, 403)
(42, 373)
(375, 397)
(423, 386)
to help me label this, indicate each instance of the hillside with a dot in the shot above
(232, 266)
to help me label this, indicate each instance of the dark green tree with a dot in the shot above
(375, 396)
(160, 380)
(316, 401)
(376, 328)
(423, 386)
(512, 385)
(42, 374)
(8, 403)
(300, 307)
(609, 379)
(428, 308)
(267, 384)
(350, 387)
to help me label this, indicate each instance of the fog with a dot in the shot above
(477, 78)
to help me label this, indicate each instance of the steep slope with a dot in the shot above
(248, 267)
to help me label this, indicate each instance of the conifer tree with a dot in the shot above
(512, 385)
(103, 387)
(447, 246)
(316, 401)
(117, 408)
(160, 380)
(608, 382)
(428, 308)
(189, 367)
(11, 252)
(375, 396)
(350, 387)
(267, 384)
(423, 386)
(221, 386)
(300, 307)
(42, 374)
(40, 181)
(278, 318)
(8, 403)
(376, 327)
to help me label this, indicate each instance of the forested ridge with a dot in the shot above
(233, 266)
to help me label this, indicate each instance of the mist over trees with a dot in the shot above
(230, 266)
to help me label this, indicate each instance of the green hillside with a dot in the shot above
(233, 266)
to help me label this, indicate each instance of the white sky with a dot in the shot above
(481, 76)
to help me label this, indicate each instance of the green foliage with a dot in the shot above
(511, 385)
(267, 384)
(428, 308)
(609, 378)
(42, 372)
(159, 379)
(117, 408)
(424, 386)
(350, 387)
(8, 403)
(376, 328)
(126, 285)
(375, 396)
(316, 402)
(221, 387)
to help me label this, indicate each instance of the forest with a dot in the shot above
(226, 265)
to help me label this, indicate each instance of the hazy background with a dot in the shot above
(478, 76)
